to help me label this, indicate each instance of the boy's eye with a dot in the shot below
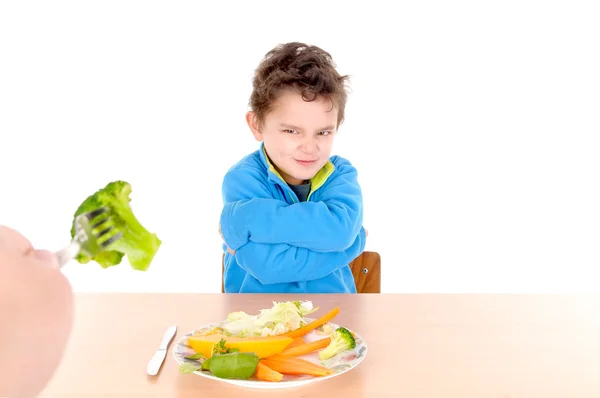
(289, 131)
(324, 132)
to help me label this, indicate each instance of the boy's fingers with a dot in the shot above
(232, 252)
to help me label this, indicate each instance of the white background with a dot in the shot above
(475, 130)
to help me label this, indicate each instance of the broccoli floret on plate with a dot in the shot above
(341, 340)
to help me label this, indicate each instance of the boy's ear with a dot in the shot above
(253, 124)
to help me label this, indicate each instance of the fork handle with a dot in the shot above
(68, 253)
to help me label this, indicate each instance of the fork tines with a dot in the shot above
(112, 239)
(105, 222)
(93, 214)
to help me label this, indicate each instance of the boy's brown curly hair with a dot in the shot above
(308, 70)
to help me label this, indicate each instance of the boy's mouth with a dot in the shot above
(305, 162)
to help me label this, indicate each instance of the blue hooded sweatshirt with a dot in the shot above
(286, 246)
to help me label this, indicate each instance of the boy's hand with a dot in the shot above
(232, 252)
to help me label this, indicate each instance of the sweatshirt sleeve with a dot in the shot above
(282, 263)
(250, 213)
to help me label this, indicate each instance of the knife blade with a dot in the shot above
(159, 356)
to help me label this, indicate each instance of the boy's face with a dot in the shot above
(297, 134)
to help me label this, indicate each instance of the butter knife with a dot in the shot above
(159, 356)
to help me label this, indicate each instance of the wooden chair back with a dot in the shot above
(366, 269)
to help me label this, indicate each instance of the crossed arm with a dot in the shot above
(277, 242)
(251, 214)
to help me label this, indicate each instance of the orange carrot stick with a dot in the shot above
(263, 372)
(296, 342)
(314, 324)
(295, 366)
(306, 348)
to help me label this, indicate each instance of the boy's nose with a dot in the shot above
(309, 145)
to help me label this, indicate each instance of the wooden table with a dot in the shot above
(484, 346)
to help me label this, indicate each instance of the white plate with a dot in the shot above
(341, 363)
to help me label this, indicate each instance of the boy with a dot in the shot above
(292, 216)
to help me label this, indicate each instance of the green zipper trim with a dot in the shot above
(315, 183)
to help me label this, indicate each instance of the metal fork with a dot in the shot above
(93, 232)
